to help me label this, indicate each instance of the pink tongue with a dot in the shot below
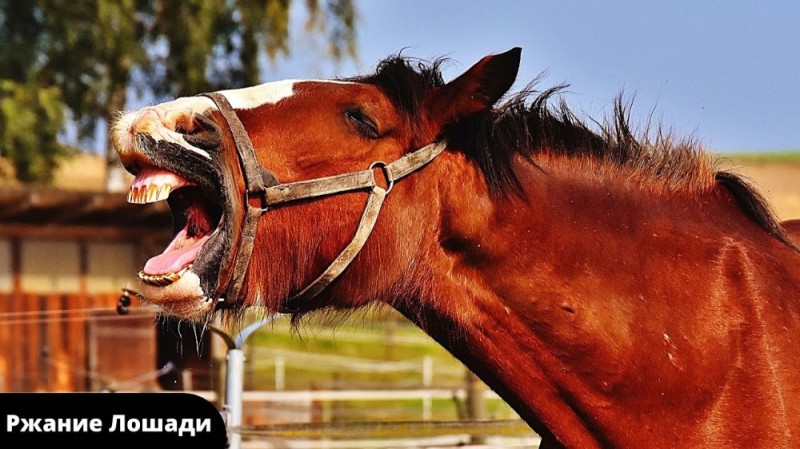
(174, 260)
(157, 176)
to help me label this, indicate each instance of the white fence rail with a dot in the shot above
(439, 442)
(280, 360)
(503, 434)
(348, 395)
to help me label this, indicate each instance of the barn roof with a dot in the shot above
(51, 211)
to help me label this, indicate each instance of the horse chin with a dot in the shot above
(183, 298)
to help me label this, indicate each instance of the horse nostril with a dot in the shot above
(204, 134)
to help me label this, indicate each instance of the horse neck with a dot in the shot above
(461, 304)
(536, 296)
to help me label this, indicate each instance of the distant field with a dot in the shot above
(776, 174)
(771, 157)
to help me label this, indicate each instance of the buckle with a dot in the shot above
(259, 195)
(386, 175)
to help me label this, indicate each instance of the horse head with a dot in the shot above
(270, 186)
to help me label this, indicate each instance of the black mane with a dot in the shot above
(528, 125)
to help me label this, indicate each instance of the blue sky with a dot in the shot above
(727, 72)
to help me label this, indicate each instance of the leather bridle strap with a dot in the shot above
(277, 194)
(255, 188)
(359, 180)
(342, 261)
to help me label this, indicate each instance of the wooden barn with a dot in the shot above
(65, 255)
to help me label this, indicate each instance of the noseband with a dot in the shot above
(263, 190)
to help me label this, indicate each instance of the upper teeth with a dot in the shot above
(142, 194)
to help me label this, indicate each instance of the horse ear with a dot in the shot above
(475, 90)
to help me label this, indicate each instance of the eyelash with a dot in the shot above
(364, 125)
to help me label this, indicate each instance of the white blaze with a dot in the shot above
(267, 93)
(255, 96)
(171, 111)
(244, 98)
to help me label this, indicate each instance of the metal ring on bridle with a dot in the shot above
(386, 174)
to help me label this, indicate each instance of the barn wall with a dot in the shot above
(50, 266)
(55, 266)
(57, 331)
(110, 266)
(6, 273)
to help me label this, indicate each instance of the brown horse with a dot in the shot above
(615, 290)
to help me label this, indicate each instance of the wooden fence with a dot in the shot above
(71, 342)
(293, 423)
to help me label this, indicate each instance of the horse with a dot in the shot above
(616, 287)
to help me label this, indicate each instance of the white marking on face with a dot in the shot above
(267, 93)
(159, 122)
(177, 138)
(255, 96)
(169, 113)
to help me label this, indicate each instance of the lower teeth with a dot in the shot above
(161, 280)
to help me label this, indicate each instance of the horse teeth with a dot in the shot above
(160, 280)
(149, 193)
(137, 195)
(152, 193)
(132, 195)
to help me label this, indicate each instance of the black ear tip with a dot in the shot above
(509, 61)
(499, 73)
(513, 54)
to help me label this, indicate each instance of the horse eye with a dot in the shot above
(363, 124)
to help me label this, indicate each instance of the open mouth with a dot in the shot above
(195, 217)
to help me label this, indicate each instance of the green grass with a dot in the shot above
(363, 338)
(766, 157)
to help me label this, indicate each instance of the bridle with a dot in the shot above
(263, 190)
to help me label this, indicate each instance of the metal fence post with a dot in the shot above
(475, 404)
(280, 373)
(427, 382)
(234, 379)
(234, 387)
